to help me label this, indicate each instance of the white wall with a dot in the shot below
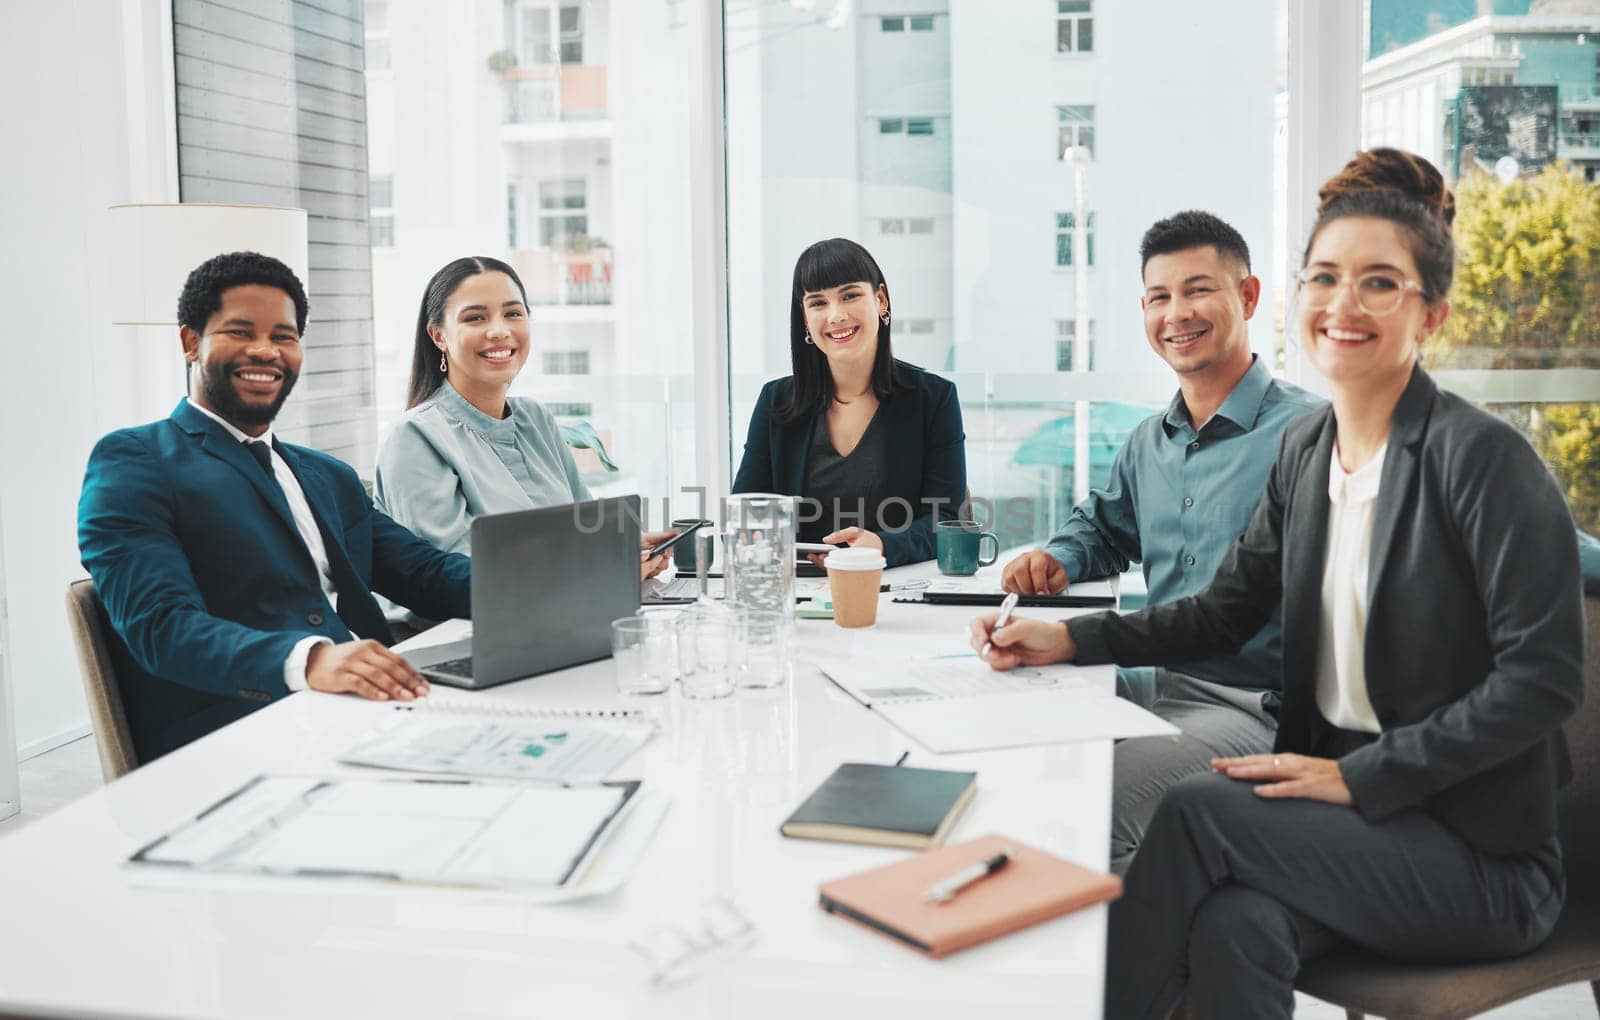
(91, 130)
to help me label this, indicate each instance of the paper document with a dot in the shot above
(1021, 719)
(949, 700)
(875, 680)
(447, 832)
(537, 748)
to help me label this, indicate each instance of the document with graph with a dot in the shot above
(434, 831)
(505, 742)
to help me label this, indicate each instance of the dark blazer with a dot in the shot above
(207, 582)
(925, 446)
(1474, 641)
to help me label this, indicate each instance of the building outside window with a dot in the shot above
(549, 34)
(1065, 223)
(565, 362)
(569, 409)
(563, 211)
(376, 30)
(1075, 126)
(513, 215)
(380, 198)
(903, 23)
(1066, 335)
(1074, 26)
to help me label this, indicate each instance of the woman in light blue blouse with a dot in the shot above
(464, 447)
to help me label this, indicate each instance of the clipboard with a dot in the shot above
(460, 832)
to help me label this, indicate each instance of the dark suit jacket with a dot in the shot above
(206, 579)
(1474, 641)
(925, 445)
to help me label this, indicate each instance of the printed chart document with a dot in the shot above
(531, 745)
(955, 702)
(443, 832)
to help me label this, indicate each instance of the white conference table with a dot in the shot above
(83, 935)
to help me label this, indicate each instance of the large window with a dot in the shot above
(553, 135)
(1066, 345)
(1074, 26)
(563, 212)
(1066, 225)
(1075, 126)
(1493, 103)
(990, 295)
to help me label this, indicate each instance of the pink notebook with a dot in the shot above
(1034, 887)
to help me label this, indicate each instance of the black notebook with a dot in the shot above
(886, 805)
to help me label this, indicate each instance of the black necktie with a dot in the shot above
(262, 453)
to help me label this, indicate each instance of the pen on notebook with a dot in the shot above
(1006, 607)
(943, 892)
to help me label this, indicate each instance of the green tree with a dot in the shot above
(1527, 292)
(1567, 436)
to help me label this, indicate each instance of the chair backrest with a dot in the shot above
(1580, 800)
(89, 629)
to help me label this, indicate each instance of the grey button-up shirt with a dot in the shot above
(1178, 499)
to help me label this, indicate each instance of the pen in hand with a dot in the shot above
(1004, 618)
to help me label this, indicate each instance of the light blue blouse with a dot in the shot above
(446, 462)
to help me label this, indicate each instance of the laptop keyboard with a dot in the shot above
(454, 667)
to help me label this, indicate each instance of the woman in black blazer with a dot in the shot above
(874, 446)
(1432, 647)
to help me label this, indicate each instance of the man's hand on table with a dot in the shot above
(1034, 573)
(366, 668)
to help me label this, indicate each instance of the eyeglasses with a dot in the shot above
(1375, 293)
(676, 954)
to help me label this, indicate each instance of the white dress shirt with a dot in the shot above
(294, 667)
(1341, 650)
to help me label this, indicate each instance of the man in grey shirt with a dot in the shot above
(1181, 491)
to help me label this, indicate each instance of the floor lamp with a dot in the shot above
(154, 249)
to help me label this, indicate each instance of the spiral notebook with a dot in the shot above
(505, 740)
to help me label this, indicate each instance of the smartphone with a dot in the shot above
(675, 539)
(817, 547)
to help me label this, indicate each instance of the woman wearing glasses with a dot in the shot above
(1432, 647)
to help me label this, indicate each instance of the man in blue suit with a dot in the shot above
(236, 568)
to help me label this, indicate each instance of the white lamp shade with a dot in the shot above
(156, 247)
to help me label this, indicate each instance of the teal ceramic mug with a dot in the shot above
(960, 545)
(683, 554)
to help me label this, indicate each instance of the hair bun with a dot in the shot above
(1391, 170)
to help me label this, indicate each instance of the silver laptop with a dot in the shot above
(546, 585)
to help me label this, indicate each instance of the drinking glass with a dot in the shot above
(768, 649)
(759, 561)
(645, 649)
(710, 650)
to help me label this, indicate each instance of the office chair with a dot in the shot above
(1365, 985)
(112, 737)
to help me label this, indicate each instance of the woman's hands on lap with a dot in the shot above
(1289, 775)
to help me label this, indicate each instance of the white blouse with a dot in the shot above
(1341, 650)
